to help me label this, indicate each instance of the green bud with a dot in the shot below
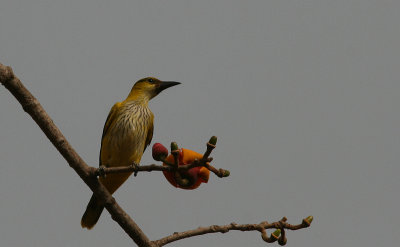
(308, 220)
(174, 146)
(226, 173)
(213, 140)
(276, 234)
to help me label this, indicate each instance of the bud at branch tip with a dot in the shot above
(213, 140)
(159, 152)
(309, 219)
(174, 146)
(226, 173)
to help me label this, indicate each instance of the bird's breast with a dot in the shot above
(128, 134)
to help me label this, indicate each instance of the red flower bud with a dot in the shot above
(159, 152)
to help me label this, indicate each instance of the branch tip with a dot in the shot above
(213, 140)
(307, 221)
(174, 146)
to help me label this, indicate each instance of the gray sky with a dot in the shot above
(303, 95)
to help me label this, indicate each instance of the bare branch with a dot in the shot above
(280, 225)
(32, 106)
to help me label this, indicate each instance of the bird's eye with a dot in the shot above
(151, 80)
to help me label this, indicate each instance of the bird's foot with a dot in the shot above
(101, 171)
(136, 167)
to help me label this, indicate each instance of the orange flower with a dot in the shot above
(190, 179)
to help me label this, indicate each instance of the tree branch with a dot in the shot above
(280, 225)
(32, 106)
(203, 162)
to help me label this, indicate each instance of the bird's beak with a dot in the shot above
(166, 84)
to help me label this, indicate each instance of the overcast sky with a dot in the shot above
(303, 95)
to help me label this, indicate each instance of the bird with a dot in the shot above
(127, 132)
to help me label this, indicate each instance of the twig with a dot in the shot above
(101, 171)
(281, 225)
(94, 172)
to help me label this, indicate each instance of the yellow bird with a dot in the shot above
(127, 132)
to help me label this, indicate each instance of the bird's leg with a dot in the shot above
(136, 167)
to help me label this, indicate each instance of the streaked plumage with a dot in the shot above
(127, 132)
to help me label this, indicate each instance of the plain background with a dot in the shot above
(303, 95)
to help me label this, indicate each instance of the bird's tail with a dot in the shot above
(92, 213)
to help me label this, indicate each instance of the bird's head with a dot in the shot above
(149, 87)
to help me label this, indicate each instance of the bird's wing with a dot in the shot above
(109, 121)
(149, 134)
